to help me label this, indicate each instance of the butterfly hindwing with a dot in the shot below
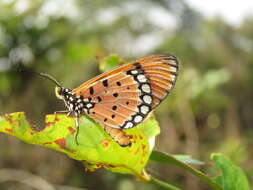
(162, 72)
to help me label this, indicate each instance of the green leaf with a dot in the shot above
(172, 160)
(96, 149)
(110, 62)
(231, 177)
(187, 159)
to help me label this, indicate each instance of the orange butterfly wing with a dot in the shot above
(123, 97)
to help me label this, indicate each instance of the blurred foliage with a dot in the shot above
(231, 177)
(209, 110)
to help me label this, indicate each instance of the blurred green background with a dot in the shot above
(209, 110)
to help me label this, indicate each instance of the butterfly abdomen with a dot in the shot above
(119, 136)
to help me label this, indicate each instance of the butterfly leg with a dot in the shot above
(76, 122)
(77, 129)
(57, 112)
(62, 111)
(118, 136)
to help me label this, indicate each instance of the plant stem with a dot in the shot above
(164, 184)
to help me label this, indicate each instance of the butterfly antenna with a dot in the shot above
(49, 77)
(43, 75)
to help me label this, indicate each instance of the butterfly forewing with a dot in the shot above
(123, 97)
(116, 98)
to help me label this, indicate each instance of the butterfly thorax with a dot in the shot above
(76, 104)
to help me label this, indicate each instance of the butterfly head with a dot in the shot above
(65, 95)
(61, 92)
(73, 102)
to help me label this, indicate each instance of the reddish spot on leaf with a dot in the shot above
(9, 130)
(140, 136)
(105, 143)
(71, 130)
(99, 165)
(130, 136)
(112, 166)
(144, 148)
(47, 143)
(48, 124)
(56, 119)
(8, 118)
(61, 142)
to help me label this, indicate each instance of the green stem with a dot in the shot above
(163, 184)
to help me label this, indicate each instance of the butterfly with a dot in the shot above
(122, 98)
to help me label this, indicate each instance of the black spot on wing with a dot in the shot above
(105, 83)
(99, 99)
(91, 90)
(119, 83)
(137, 65)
